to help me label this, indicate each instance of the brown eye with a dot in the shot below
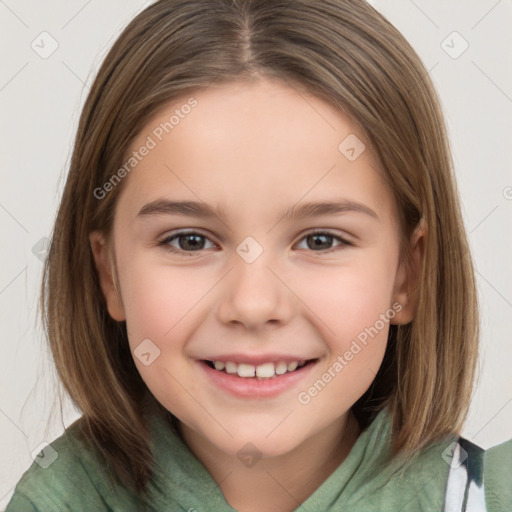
(321, 241)
(185, 242)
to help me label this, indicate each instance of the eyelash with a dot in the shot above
(165, 242)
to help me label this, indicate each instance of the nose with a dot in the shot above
(255, 295)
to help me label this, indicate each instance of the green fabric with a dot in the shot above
(498, 477)
(76, 481)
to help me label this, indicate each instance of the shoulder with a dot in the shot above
(498, 477)
(67, 475)
(480, 478)
(443, 475)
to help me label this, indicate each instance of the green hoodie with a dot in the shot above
(446, 476)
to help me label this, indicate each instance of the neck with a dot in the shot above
(278, 483)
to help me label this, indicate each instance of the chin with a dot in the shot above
(257, 442)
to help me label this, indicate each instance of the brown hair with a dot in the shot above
(342, 51)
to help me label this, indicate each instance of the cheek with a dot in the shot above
(353, 308)
(161, 304)
(347, 299)
(353, 311)
(156, 297)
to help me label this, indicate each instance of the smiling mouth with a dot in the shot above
(265, 371)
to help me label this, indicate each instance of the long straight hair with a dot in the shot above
(343, 52)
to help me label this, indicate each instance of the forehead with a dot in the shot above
(250, 146)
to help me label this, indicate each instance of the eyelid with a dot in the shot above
(164, 242)
(344, 242)
(183, 232)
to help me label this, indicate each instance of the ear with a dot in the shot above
(406, 281)
(104, 266)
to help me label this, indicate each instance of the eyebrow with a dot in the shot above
(299, 211)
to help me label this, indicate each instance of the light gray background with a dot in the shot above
(40, 103)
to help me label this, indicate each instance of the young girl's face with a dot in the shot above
(251, 284)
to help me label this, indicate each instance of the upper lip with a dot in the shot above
(257, 359)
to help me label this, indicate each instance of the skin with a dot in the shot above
(256, 149)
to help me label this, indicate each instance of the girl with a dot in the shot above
(259, 290)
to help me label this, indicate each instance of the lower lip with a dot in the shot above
(256, 388)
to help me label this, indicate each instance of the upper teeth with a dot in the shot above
(265, 370)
